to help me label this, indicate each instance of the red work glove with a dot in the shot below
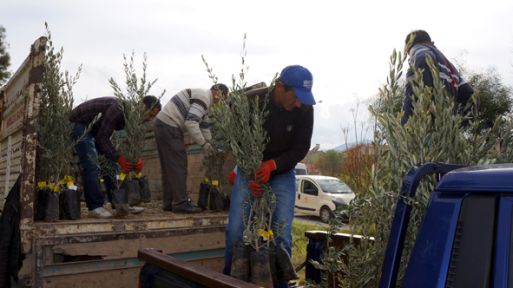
(124, 164)
(231, 177)
(255, 189)
(263, 173)
(138, 166)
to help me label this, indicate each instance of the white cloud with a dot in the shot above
(345, 44)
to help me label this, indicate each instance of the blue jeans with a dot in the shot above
(284, 186)
(88, 155)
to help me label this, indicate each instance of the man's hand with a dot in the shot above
(124, 164)
(263, 173)
(231, 177)
(208, 149)
(255, 189)
(138, 165)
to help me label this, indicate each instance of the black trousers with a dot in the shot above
(173, 162)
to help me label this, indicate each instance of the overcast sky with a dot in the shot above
(345, 44)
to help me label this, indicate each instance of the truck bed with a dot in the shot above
(68, 251)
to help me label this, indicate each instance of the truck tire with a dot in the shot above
(325, 214)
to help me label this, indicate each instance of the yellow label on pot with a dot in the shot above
(215, 183)
(54, 187)
(41, 184)
(266, 234)
(66, 179)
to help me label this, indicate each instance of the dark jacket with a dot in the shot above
(460, 90)
(289, 132)
(10, 239)
(110, 118)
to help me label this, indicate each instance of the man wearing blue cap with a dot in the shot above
(289, 126)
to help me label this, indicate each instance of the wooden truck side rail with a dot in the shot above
(190, 271)
(19, 107)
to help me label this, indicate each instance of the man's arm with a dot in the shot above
(407, 101)
(192, 120)
(205, 126)
(112, 117)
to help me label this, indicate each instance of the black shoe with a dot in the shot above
(186, 208)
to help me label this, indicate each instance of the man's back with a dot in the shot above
(456, 86)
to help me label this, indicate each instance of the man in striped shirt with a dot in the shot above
(187, 111)
(420, 47)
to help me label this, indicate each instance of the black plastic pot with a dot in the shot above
(240, 261)
(216, 202)
(284, 268)
(273, 266)
(69, 201)
(203, 195)
(226, 202)
(47, 205)
(41, 200)
(144, 187)
(260, 268)
(120, 201)
(133, 190)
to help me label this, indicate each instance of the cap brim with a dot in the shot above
(305, 97)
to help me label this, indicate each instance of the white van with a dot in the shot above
(320, 195)
(301, 169)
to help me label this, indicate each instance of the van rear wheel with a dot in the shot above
(325, 214)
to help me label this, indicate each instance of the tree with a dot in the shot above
(5, 59)
(329, 163)
(356, 167)
(55, 147)
(495, 98)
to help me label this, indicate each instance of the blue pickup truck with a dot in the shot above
(465, 239)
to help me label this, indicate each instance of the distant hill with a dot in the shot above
(344, 147)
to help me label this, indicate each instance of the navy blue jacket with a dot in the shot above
(460, 90)
(289, 132)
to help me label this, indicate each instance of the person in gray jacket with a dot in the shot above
(187, 111)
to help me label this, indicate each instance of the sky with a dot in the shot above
(345, 44)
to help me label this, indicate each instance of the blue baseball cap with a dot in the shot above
(301, 80)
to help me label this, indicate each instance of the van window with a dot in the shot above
(310, 188)
(334, 186)
(300, 171)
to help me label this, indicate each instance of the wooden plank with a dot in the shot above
(122, 277)
(142, 222)
(108, 278)
(191, 271)
(128, 247)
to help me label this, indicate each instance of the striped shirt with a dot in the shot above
(111, 118)
(188, 110)
(460, 90)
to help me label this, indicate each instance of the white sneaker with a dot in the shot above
(100, 212)
(135, 209)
